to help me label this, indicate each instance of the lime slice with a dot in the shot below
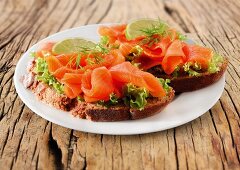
(134, 28)
(73, 45)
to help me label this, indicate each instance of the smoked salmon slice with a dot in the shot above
(174, 57)
(118, 57)
(126, 48)
(72, 84)
(72, 90)
(157, 50)
(97, 84)
(53, 63)
(201, 55)
(114, 33)
(127, 73)
(45, 50)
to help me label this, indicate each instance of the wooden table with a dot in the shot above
(29, 142)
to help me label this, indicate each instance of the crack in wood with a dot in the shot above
(72, 142)
(56, 151)
(214, 125)
(176, 148)
(228, 122)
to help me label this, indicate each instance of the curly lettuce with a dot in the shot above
(135, 97)
(44, 75)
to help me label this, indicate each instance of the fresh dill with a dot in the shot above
(78, 59)
(158, 29)
(154, 33)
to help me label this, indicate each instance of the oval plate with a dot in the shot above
(184, 108)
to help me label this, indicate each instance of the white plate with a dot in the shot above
(184, 108)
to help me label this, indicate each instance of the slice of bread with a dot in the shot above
(185, 83)
(96, 112)
(120, 112)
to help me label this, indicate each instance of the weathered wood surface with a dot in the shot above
(29, 142)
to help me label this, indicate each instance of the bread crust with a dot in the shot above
(99, 113)
(120, 112)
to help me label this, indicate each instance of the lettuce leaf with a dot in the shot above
(44, 75)
(164, 83)
(192, 68)
(113, 99)
(214, 65)
(135, 97)
(104, 40)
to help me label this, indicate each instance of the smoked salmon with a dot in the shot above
(127, 73)
(97, 85)
(201, 55)
(174, 57)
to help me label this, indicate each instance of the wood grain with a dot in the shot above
(29, 142)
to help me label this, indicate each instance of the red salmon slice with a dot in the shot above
(201, 55)
(127, 73)
(53, 64)
(114, 58)
(48, 46)
(114, 33)
(72, 90)
(97, 84)
(67, 59)
(59, 73)
(147, 63)
(174, 57)
(157, 50)
(107, 31)
(126, 48)
(72, 78)
(45, 50)
(72, 84)
(118, 57)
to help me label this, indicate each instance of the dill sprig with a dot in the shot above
(94, 55)
(158, 29)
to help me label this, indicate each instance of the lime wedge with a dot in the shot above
(73, 45)
(134, 28)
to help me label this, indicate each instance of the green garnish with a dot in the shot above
(99, 48)
(182, 37)
(32, 54)
(104, 40)
(161, 29)
(44, 75)
(214, 65)
(135, 97)
(113, 99)
(78, 59)
(165, 83)
(191, 68)
(80, 98)
(137, 50)
(158, 29)
(176, 71)
(90, 61)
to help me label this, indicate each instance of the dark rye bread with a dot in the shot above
(96, 112)
(120, 112)
(185, 83)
